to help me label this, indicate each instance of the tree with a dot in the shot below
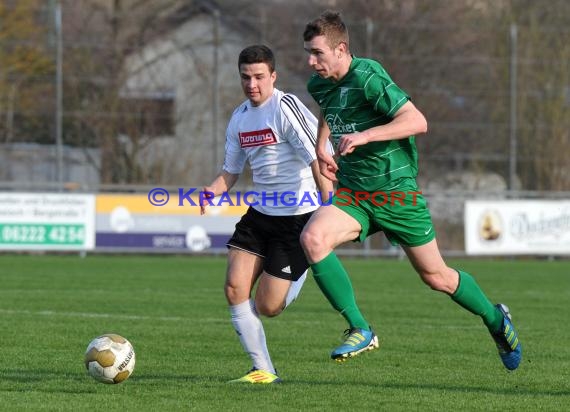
(24, 63)
(120, 98)
(102, 35)
(452, 57)
(543, 85)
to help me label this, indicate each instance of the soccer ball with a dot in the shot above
(110, 358)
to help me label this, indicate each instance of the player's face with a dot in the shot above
(323, 59)
(257, 82)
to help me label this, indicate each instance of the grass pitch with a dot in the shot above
(433, 355)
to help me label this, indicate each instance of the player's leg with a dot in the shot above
(245, 263)
(285, 265)
(318, 239)
(408, 223)
(295, 289)
(465, 291)
(271, 294)
(243, 270)
(461, 286)
(274, 295)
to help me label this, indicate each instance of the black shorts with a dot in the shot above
(275, 239)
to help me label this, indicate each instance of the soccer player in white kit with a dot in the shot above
(276, 134)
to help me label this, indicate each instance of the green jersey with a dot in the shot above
(365, 97)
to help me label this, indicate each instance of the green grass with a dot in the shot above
(433, 356)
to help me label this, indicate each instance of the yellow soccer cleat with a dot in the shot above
(258, 376)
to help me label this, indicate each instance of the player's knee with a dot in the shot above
(267, 309)
(432, 281)
(235, 294)
(311, 241)
(305, 238)
(438, 281)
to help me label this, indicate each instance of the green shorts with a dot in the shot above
(400, 213)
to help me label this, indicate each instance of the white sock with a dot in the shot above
(249, 328)
(295, 289)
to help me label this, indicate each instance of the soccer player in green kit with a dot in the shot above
(372, 123)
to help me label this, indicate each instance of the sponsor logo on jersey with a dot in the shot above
(337, 126)
(257, 138)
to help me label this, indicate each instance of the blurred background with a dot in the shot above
(120, 96)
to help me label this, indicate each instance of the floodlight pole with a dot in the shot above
(216, 86)
(513, 109)
(59, 94)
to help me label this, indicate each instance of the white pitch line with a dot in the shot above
(52, 313)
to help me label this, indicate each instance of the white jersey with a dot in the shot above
(278, 140)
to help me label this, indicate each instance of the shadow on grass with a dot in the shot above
(35, 375)
(22, 380)
(445, 388)
(43, 380)
(175, 378)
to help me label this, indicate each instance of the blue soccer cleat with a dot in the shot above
(356, 341)
(507, 341)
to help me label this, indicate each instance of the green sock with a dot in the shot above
(335, 284)
(470, 296)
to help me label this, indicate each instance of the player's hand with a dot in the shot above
(327, 166)
(348, 142)
(205, 194)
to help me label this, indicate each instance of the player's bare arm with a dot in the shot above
(327, 164)
(222, 183)
(408, 121)
(324, 185)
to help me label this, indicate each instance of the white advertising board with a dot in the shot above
(47, 221)
(510, 227)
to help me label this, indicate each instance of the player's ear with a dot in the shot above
(342, 48)
(274, 75)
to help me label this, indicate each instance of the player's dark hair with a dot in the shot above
(330, 25)
(257, 53)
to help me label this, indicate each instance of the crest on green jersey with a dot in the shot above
(343, 96)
